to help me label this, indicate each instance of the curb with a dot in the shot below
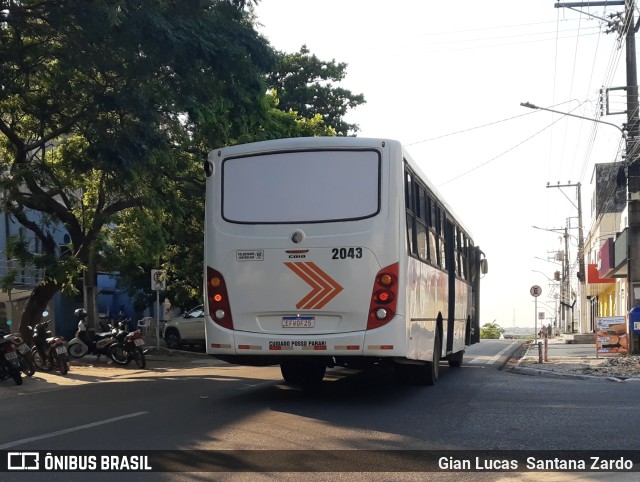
(548, 373)
(551, 374)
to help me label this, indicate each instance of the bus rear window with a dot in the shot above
(301, 187)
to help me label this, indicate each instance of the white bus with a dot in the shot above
(335, 251)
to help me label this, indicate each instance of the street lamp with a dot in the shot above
(533, 106)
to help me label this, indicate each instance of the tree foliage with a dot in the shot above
(306, 85)
(491, 331)
(106, 106)
(107, 110)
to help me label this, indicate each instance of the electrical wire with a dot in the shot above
(467, 130)
(501, 154)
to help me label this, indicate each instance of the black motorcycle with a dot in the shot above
(129, 346)
(25, 357)
(49, 351)
(9, 363)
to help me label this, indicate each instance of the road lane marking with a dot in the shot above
(69, 430)
(490, 360)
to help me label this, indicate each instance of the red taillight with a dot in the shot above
(384, 297)
(8, 347)
(219, 308)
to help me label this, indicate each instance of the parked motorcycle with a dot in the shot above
(25, 357)
(129, 346)
(49, 351)
(97, 344)
(9, 364)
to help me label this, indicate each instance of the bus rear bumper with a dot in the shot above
(388, 341)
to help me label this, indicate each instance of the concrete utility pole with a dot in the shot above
(626, 27)
(633, 171)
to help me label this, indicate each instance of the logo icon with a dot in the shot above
(23, 461)
(323, 287)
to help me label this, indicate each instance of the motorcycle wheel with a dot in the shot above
(26, 365)
(140, 359)
(118, 354)
(40, 363)
(76, 350)
(15, 374)
(62, 364)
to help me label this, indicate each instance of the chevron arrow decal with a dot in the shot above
(323, 287)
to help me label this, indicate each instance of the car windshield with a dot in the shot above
(196, 312)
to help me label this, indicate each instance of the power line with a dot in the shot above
(467, 130)
(501, 154)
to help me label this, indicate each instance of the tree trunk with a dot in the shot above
(36, 304)
(90, 297)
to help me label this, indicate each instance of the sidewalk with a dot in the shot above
(577, 361)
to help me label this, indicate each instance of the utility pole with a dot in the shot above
(633, 172)
(580, 258)
(626, 27)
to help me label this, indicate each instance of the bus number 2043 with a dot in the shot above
(346, 253)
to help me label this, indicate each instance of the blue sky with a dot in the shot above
(447, 79)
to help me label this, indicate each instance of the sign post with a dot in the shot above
(535, 292)
(158, 284)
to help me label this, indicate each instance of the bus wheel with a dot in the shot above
(455, 360)
(303, 372)
(428, 373)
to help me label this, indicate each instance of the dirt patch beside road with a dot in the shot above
(623, 367)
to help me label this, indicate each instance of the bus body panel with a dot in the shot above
(462, 314)
(312, 284)
(426, 301)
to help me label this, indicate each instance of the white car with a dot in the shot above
(188, 330)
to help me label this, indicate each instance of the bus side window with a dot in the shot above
(421, 224)
(440, 238)
(409, 186)
(458, 251)
(408, 191)
(464, 256)
(411, 242)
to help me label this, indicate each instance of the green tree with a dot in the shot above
(491, 331)
(306, 85)
(105, 107)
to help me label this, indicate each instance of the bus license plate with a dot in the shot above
(298, 322)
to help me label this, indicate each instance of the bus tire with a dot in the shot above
(429, 372)
(303, 372)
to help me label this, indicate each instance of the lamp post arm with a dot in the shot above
(532, 106)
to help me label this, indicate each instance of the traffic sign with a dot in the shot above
(158, 281)
(535, 291)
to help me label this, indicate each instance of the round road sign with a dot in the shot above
(535, 290)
